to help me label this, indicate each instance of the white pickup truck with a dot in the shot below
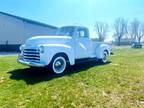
(71, 45)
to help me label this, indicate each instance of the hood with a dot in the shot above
(38, 40)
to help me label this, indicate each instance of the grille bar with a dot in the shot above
(31, 51)
(31, 54)
(28, 57)
(34, 55)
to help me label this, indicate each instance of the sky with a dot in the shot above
(74, 12)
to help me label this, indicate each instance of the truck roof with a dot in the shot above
(75, 27)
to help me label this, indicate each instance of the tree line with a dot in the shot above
(134, 30)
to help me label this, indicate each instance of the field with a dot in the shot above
(118, 84)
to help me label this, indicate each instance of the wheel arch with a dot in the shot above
(106, 50)
(100, 49)
(69, 57)
(63, 54)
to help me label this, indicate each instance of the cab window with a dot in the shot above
(82, 32)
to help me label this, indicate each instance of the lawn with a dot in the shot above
(118, 84)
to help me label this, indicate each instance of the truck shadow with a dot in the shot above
(39, 75)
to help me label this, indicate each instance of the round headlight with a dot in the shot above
(41, 49)
(22, 47)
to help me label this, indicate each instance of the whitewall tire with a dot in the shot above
(59, 64)
(104, 58)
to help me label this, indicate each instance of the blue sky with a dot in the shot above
(69, 12)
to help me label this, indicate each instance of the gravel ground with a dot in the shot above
(8, 53)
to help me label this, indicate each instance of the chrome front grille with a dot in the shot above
(31, 54)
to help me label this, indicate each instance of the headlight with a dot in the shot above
(41, 49)
(22, 47)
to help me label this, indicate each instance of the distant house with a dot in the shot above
(14, 31)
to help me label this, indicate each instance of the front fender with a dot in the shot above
(101, 48)
(53, 49)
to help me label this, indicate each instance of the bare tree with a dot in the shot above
(101, 29)
(120, 29)
(136, 30)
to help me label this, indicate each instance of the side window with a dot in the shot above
(82, 32)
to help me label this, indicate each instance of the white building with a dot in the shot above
(15, 30)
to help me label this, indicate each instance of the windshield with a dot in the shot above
(65, 31)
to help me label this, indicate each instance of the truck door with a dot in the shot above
(82, 43)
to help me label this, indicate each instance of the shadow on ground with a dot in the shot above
(33, 76)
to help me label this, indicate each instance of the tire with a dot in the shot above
(104, 58)
(58, 64)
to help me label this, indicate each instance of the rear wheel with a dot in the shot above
(58, 64)
(104, 58)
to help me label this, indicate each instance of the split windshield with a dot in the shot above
(65, 31)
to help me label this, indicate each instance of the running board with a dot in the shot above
(77, 61)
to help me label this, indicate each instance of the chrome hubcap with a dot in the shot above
(59, 65)
(105, 57)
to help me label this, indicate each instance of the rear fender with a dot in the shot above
(100, 49)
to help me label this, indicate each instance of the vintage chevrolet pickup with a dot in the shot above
(70, 45)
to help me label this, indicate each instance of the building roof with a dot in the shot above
(29, 20)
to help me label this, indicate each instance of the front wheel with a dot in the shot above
(104, 58)
(58, 64)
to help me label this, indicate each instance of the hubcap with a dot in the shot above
(105, 57)
(59, 65)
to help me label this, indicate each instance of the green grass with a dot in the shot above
(118, 84)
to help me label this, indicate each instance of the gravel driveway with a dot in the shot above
(8, 53)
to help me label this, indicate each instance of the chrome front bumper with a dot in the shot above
(30, 63)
